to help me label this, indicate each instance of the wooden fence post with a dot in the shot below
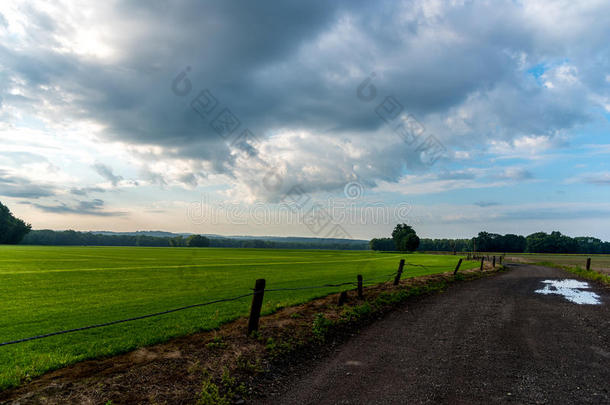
(257, 304)
(494, 262)
(360, 293)
(457, 267)
(342, 298)
(482, 260)
(588, 263)
(399, 273)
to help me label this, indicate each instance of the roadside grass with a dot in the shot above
(598, 261)
(579, 271)
(46, 289)
(574, 263)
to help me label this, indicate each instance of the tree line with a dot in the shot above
(12, 229)
(404, 238)
(76, 238)
(538, 242)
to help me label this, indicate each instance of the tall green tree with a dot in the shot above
(405, 238)
(12, 229)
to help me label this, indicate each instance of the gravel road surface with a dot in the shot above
(486, 341)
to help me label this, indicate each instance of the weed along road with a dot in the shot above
(518, 337)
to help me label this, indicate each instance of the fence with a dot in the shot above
(257, 301)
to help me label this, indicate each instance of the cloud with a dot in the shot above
(597, 149)
(106, 173)
(457, 175)
(468, 178)
(17, 186)
(515, 215)
(539, 214)
(83, 191)
(527, 146)
(461, 68)
(598, 179)
(484, 204)
(20, 158)
(517, 174)
(86, 207)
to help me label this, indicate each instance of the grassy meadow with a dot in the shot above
(46, 289)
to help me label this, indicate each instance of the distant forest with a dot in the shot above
(75, 238)
(539, 242)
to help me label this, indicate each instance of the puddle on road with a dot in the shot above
(572, 290)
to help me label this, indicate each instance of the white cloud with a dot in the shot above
(561, 76)
(527, 146)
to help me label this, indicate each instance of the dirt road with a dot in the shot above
(491, 340)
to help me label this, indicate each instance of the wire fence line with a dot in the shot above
(373, 281)
(417, 265)
(135, 318)
(310, 287)
(382, 280)
(350, 283)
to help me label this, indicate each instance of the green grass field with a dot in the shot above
(46, 289)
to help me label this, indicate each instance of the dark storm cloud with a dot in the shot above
(297, 65)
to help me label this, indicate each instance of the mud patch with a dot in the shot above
(572, 290)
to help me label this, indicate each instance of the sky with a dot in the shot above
(317, 118)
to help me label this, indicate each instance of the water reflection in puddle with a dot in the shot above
(572, 290)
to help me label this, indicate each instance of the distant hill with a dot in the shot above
(299, 239)
(157, 234)
(170, 239)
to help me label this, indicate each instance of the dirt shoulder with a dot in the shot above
(492, 340)
(224, 365)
